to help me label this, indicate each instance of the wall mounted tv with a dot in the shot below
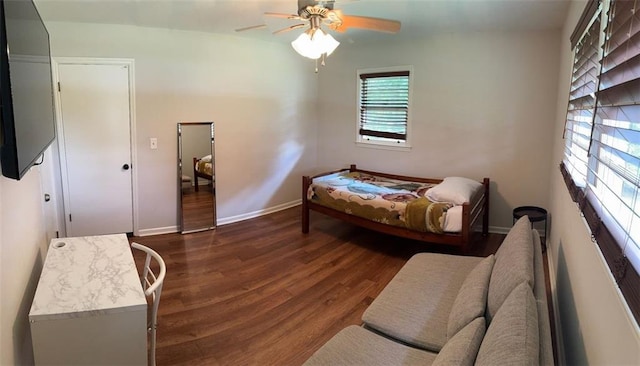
(26, 90)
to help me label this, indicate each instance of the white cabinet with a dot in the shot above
(89, 307)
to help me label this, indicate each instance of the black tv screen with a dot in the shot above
(26, 90)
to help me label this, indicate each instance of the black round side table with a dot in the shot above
(536, 214)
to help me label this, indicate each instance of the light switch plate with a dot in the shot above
(153, 143)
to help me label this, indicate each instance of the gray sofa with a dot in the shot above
(455, 310)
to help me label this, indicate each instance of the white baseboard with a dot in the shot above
(224, 220)
(254, 214)
(158, 231)
(499, 229)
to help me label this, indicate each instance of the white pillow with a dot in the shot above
(206, 159)
(453, 220)
(456, 190)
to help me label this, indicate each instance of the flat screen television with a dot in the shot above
(26, 88)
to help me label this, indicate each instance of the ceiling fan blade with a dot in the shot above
(258, 26)
(295, 26)
(376, 24)
(282, 15)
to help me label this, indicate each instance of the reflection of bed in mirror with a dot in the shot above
(196, 173)
(203, 168)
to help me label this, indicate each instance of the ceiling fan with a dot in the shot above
(315, 42)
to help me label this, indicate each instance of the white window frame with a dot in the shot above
(381, 144)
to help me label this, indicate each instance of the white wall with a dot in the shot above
(482, 106)
(23, 242)
(256, 92)
(595, 324)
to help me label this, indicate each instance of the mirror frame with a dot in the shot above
(179, 178)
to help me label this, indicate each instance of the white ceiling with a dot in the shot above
(418, 17)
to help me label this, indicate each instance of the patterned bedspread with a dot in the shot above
(389, 201)
(205, 167)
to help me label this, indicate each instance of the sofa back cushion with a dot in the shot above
(512, 337)
(471, 301)
(514, 265)
(462, 348)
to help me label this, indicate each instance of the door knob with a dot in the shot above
(125, 167)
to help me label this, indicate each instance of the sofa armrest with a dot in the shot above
(540, 294)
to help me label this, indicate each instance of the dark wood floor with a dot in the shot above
(197, 207)
(260, 292)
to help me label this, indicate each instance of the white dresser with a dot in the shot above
(89, 307)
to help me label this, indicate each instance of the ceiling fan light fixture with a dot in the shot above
(313, 43)
(330, 43)
(304, 46)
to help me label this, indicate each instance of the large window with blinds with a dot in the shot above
(383, 106)
(602, 156)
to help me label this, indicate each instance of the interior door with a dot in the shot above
(95, 114)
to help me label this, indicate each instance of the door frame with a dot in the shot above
(130, 63)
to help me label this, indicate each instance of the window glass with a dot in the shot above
(383, 106)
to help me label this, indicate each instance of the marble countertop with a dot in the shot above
(87, 276)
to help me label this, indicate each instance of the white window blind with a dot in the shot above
(614, 164)
(610, 201)
(384, 105)
(582, 103)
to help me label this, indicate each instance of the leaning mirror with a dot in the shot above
(196, 176)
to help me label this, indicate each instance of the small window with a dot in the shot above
(383, 107)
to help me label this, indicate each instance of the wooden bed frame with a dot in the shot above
(197, 174)
(462, 240)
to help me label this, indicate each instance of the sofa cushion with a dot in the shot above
(512, 337)
(357, 346)
(414, 307)
(471, 301)
(462, 348)
(514, 265)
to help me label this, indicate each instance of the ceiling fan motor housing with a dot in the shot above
(317, 14)
(313, 11)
